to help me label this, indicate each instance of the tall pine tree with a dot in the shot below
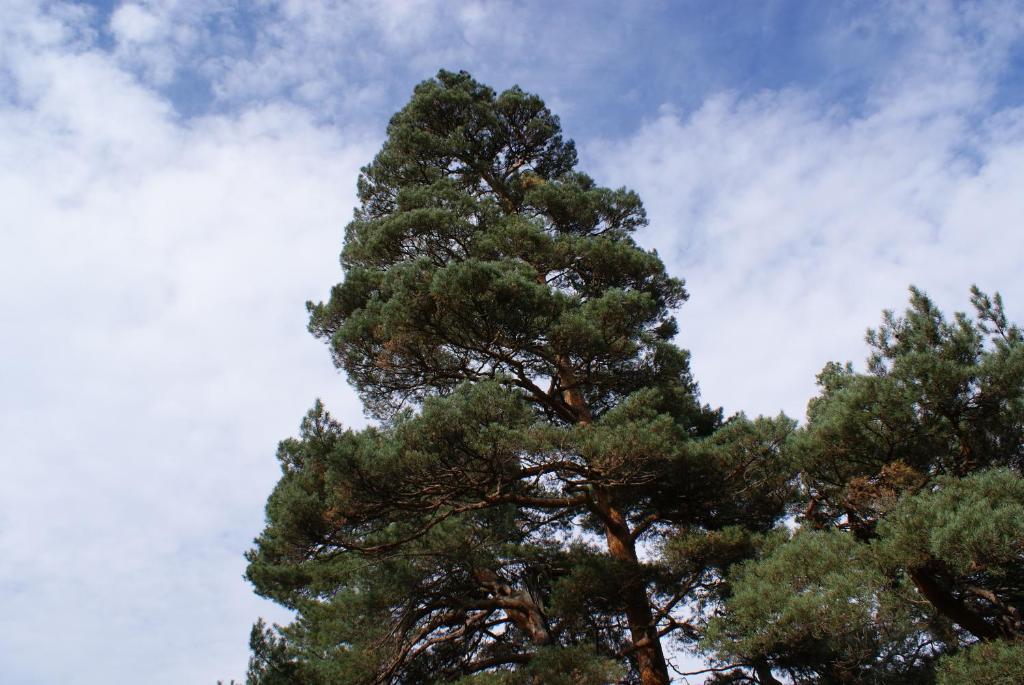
(539, 432)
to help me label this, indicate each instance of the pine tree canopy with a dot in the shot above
(538, 428)
(909, 563)
(545, 498)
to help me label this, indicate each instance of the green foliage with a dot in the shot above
(972, 525)
(573, 666)
(479, 253)
(912, 541)
(545, 497)
(939, 397)
(991, 663)
(818, 608)
(270, 663)
(537, 424)
(555, 666)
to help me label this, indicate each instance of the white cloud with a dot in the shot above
(795, 224)
(134, 23)
(327, 55)
(152, 280)
(344, 59)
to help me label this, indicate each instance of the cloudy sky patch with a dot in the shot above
(174, 181)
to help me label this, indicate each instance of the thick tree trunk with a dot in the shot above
(946, 603)
(643, 630)
(650, 658)
(764, 673)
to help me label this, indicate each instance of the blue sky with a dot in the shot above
(625, 60)
(174, 181)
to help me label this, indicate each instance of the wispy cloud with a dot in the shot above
(796, 221)
(336, 58)
(153, 275)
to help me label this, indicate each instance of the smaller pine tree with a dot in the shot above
(909, 563)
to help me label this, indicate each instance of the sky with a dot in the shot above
(175, 177)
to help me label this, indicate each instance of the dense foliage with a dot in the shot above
(908, 564)
(538, 427)
(545, 499)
